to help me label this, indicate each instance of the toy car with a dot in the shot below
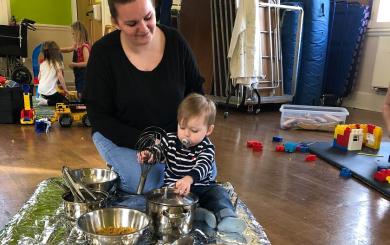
(67, 114)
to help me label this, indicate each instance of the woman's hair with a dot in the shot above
(80, 32)
(196, 105)
(51, 53)
(112, 3)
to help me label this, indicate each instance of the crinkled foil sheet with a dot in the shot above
(41, 220)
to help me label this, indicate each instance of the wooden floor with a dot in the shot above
(296, 202)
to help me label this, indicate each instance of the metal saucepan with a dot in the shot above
(74, 209)
(113, 218)
(172, 215)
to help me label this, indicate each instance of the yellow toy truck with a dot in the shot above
(67, 114)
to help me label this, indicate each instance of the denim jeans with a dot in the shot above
(215, 199)
(124, 161)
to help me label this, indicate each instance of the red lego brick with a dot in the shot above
(251, 143)
(280, 148)
(310, 158)
(381, 175)
(257, 147)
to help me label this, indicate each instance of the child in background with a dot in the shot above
(189, 159)
(81, 49)
(51, 71)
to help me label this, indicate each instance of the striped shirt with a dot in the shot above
(196, 161)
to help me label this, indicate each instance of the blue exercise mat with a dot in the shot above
(362, 167)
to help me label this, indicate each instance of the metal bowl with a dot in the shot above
(91, 222)
(96, 178)
(74, 209)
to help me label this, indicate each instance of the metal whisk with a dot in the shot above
(149, 145)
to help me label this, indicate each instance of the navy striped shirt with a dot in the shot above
(196, 161)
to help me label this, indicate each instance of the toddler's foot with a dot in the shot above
(42, 101)
(232, 224)
(207, 216)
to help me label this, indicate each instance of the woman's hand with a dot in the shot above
(72, 65)
(183, 186)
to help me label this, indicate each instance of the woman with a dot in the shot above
(136, 78)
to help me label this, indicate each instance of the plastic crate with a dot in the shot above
(312, 117)
(11, 103)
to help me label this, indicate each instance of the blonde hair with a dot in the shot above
(51, 53)
(80, 32)
(196, 105)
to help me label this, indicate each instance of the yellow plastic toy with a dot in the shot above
(354, 136)
(67, 114)
(27, 115)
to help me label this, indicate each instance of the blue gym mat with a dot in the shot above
(362, 167)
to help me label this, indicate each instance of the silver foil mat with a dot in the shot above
(41, 220)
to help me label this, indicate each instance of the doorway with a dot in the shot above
(86, 16)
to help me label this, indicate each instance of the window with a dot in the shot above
(383, 11)
(380, 17)
(356, 138)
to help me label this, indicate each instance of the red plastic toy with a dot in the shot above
(310, 158)
(382, 175)
(280, 148)
(255, 145)
(251, 143)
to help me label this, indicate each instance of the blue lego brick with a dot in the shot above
(345, 172)
(290, 147)
(277, 139)
(337, 146)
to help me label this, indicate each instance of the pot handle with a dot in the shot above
(182, 215)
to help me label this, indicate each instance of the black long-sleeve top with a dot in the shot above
(122, 100)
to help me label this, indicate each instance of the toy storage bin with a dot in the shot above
(11, 103)
(312, 117)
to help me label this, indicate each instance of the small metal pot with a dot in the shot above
(74, 210)
(172, 215)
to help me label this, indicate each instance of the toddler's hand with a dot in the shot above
(145, 156)
(183, 186)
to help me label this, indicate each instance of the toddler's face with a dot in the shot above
(194, 130)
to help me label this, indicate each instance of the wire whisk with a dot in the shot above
(150, 148)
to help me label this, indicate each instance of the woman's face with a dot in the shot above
(137, 21)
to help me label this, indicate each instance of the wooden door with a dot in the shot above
(85, 16)
(195, 25)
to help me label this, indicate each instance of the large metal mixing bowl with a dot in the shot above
(90, 223)
(96, 178)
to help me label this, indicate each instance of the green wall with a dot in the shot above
(54, 12)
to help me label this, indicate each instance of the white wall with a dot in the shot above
(62, 35)
(364, 96)
(5, 12)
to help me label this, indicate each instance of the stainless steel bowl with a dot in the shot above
(96, 178)
(91, 222)
(73, 209)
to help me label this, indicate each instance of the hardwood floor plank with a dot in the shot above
(296, 202)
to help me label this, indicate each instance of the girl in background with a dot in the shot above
(81, 49)
(51, 71)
